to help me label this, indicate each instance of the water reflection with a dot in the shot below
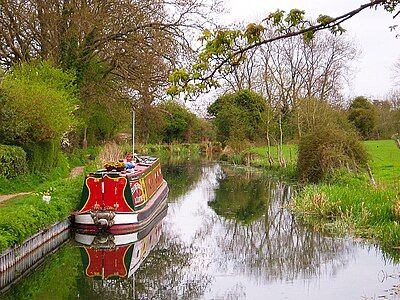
(181, 176)
(110, 261)
(230, 237)
(258, 237)
(13, 274)
(227, 235)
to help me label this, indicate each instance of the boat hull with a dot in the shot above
(127, 222)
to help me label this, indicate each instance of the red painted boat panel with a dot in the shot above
(111, 262)
(95, 193)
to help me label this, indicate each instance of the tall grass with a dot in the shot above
(348, 204)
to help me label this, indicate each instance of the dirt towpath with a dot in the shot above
(4, 198)
(74, 172)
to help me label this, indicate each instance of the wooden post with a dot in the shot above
(371, 176)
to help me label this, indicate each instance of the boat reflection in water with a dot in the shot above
(112, 260)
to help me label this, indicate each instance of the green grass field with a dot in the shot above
(384, 160)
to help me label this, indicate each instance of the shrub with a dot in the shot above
(326, 149)
(12, 161)
(40, 99)
(363, 115)
(37, 103)
(239, 116)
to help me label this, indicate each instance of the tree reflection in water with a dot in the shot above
(261, 239)
(227, 235)
(234, 224)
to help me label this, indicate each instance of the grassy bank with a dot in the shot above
(24, 216)
(348, 203)
(257, 157)
(345, 203)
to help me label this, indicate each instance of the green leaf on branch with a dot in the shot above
(324, 19)
(308, 36)
(253, 32)
(295, 17)
(276, 17)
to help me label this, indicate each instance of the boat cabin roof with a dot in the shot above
(143, 164)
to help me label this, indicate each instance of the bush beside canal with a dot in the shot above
(348, 203)
(31, 181)
(344, 202)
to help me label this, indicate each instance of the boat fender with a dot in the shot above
(103, 219)
(103, 222)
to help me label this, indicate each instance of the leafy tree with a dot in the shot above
(362, 114)
(120, 51)
(239, 116)
(178, 122)
(36, 109)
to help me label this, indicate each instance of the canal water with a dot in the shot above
(226, 235)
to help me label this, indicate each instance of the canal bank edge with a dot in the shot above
(346, 203)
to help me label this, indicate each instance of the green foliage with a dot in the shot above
(25, 216)
(171, 122)
(178, 122)
(45, 156)
(36, 109)
(81, 157)
(225, 48)
(349, 204)
(12, 161)
(239, 117)
(362, 114)
(326, 149)
(311, 113)
(37, 103)
(167, 152)
(33, 181)
(103, 124)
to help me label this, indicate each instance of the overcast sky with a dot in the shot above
(370, 30)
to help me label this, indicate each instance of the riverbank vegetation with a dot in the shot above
(348, 203)
(68, 90)
(24, 216)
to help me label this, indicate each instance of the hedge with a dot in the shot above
(12, 161)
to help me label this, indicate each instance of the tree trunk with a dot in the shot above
(282, 161)
(84, 141)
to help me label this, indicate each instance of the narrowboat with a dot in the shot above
(107, 256)
(122, 198)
